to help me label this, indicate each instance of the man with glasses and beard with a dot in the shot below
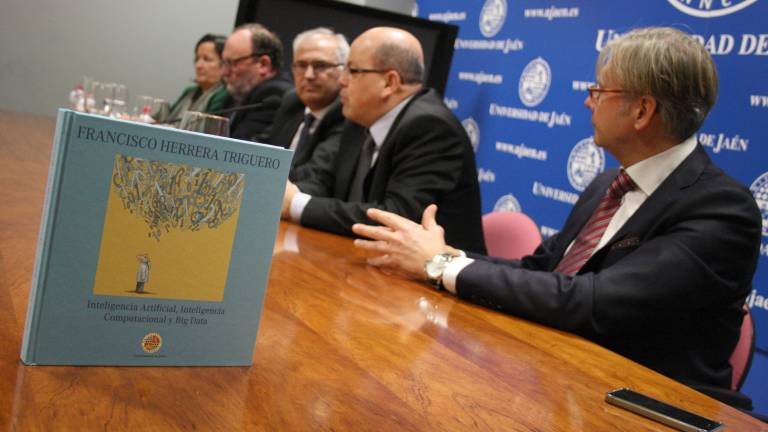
(250, 64)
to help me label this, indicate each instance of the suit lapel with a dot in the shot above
(669, 191)
(386, 146)
(352, 139)
(331, 116)
(304, 154)
(379, 173)
(290, 129)
(653, 208)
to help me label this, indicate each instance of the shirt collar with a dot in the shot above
(648, 174)
(380, 128)
(318, 114)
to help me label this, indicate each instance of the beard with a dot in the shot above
(239, 90)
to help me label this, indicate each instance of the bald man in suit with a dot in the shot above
(400, 150)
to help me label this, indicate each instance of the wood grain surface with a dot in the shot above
(342, 346)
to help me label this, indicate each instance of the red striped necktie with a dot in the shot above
(593, 231)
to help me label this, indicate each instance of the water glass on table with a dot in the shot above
(205, 123)
(142, 111)
(119, 101)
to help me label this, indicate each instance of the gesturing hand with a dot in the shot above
(404, 244)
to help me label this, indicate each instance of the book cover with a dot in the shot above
(155, 246)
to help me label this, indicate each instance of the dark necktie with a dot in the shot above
(309, 119)
(356, 192)
(593, 231)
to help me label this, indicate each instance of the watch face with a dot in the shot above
(435, 269)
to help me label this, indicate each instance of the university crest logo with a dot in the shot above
(473, 131)
(151, 343)
(710, 9)
(492, 17)
(534, 82)
(759, 190)
(585, 162)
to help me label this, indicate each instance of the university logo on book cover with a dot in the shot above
(151, 343)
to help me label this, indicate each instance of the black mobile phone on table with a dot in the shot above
(661, 412)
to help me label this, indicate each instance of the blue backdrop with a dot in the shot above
(518, 83)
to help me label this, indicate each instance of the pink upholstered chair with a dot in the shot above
(510, 235)
(741, 358)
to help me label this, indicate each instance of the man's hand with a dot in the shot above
(405, 245)
(290, 191)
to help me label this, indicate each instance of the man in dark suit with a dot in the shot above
(309, 120)
(404, 150)
(656, 259)
(250, 65)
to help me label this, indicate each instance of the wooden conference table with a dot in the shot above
(342, 346)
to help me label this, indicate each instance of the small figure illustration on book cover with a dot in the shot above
(142, 274)
(183, 217)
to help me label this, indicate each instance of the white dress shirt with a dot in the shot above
(647, 174)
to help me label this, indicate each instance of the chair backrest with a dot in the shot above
(510, 235)
(741, 358)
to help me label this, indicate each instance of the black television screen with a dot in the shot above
(288, 18)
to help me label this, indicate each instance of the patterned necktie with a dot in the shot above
(309, 119)
(593, 231)
(356, 192)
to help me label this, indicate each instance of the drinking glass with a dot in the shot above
(142, 111)
(88, 93)
(103, 95)
(205, 123)
(93, 92)
(119, 101)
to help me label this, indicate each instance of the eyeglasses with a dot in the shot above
(319, 66)
(352, 70)
(595, 90)
(234, 62)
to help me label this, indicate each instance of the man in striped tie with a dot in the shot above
(656, 258)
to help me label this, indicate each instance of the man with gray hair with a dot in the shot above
(250, 65)
(656, 259)
(401, 149)
(309, 120)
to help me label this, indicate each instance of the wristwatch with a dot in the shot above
(435, 267)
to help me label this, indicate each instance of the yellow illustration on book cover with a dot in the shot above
(168, 230)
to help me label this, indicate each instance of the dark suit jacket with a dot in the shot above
(426, 158)
(323, 144)
(666, 291)
(253, 124)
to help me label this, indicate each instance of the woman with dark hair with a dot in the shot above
(209, 91)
